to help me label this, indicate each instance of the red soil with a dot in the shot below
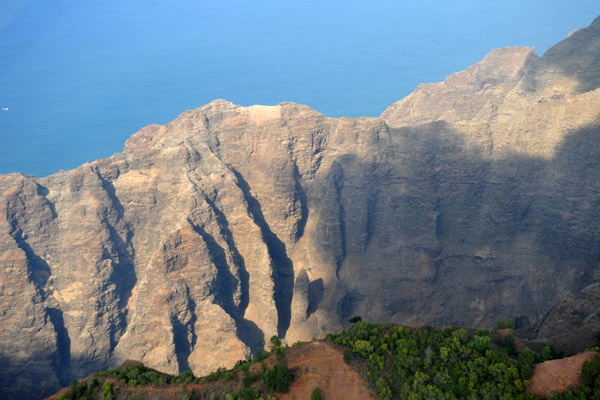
(558, 375)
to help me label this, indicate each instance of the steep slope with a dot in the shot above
(572, 325)
(368, 361)
(557, 376)
(469, 200)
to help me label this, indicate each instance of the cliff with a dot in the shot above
(470, 200)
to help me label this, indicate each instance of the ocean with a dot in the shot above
(77, 78)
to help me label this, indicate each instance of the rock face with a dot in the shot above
(470, 200)
(572, 325)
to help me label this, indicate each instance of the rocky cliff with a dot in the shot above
(471, 199)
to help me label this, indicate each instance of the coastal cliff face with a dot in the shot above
(470, 200)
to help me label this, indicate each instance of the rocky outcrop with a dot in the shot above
(572, 325)
(470, 200)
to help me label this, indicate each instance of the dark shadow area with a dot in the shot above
(454, 229)
(300, 195)
(43, 192)
(315, 294)
(348, 305)
(337, 174)
(181, 336)
(283, 270)
(63, 361)
(30, 379)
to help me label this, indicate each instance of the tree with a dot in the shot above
(508, 343)
(276, 345)
(549, 352)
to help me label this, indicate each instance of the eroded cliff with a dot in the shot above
(469, 200)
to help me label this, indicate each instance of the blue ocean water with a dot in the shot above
(77, 78)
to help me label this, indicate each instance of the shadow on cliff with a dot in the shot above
(27, 379)
(576, 57)
(432, 198)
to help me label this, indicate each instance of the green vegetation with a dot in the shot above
(398, 362)
(316, 394)
(449, 363)
(118, 383)
(508, 344)
(276, 345)
(505, 323)
(140, 375)
(590, 375)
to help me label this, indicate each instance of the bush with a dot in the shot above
(108, 391)
(316, 394)
(508, 344)
(355, 319)
(549, 352)
(348, 356)
(505, 323)
(277, 379)
(185, 377)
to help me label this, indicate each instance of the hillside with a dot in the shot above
(470, 200)
(370, 361)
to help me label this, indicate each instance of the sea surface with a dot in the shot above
(77, 78)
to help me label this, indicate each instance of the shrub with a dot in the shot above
(348, 356)
(185, 377)
(590, 372)
(505, 323)
(277, 379)
(107, 391)
(508, 344)
(229, 376)
(316, 394)
(549, 352)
